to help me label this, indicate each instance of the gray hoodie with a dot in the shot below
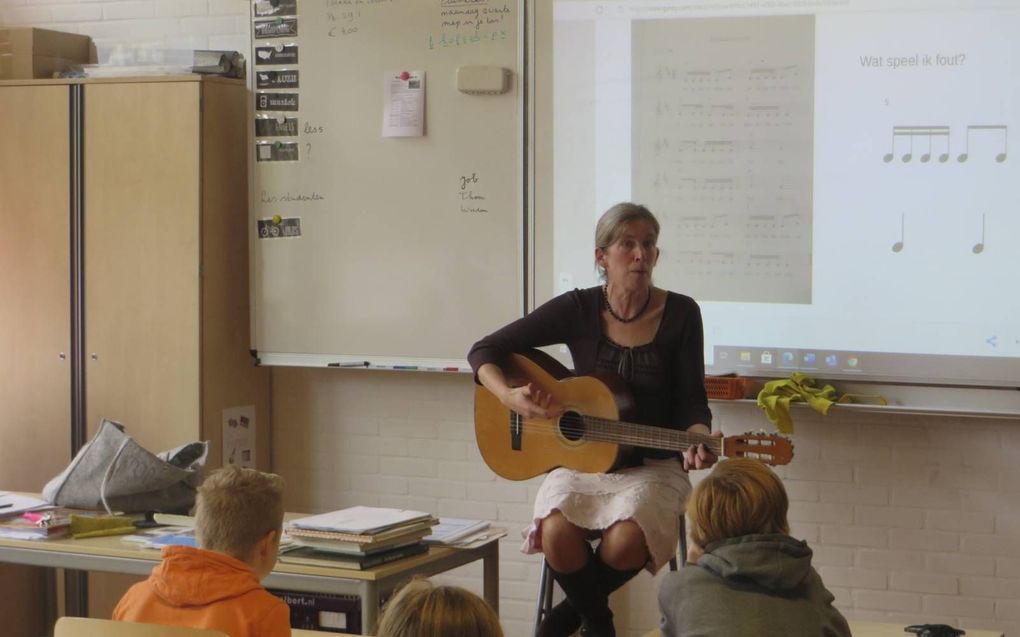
(750, 586)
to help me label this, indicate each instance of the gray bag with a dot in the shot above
(115, 473)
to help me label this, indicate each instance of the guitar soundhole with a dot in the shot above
(572, 426)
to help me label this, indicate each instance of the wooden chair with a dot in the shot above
(94, 627)
(545, 582)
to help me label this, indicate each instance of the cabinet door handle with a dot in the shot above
(62, 356)
(94, 356)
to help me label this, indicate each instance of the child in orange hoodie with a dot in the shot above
(238, 521)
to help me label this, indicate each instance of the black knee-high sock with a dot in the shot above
(562, 620)
(598, 618)
(611, 578)
(565, 618)
(587, 594)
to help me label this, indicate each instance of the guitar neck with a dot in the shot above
(635, 435)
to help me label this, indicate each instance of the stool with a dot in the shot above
(545, 582)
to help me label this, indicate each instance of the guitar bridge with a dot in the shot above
(516, 430)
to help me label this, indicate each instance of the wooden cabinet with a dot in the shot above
(152, 171)
(35, 428)
(166, 277)
(143, 235)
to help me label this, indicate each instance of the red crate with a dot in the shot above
(730, 387)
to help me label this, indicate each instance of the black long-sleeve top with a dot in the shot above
(665, 376)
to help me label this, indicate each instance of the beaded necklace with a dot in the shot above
(605, 298)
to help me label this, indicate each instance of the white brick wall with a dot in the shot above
(912, 518)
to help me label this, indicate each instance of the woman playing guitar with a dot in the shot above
(651, 338)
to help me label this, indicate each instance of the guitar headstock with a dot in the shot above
(772, 449)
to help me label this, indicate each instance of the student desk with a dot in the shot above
(110, 554)
(880, 629)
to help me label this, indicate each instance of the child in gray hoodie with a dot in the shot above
(747, 577)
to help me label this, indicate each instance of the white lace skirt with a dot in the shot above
(653, 495)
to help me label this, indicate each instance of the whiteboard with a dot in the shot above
(371, 249)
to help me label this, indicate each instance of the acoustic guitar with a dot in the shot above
(591, 435)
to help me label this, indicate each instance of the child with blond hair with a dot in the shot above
(238, 522)
(424, 609)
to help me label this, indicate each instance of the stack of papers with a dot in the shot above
(359, 537)
(311, 556)
(361, 520)
(454, 531)
(14, 504)
(43, 523)
(20, 528)
(361, 529)
(24, 517)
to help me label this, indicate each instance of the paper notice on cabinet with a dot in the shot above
(404, 104)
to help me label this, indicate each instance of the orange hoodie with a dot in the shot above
(204, 589)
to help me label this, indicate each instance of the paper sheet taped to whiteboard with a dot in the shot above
(404, 104)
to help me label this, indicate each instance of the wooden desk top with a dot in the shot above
(112, 554)
(114, 547)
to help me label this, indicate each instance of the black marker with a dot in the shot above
(353, 364)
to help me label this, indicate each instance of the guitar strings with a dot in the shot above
(764, 451)
(636, 433)
(751, 444)
(634, 441)
(624, 433)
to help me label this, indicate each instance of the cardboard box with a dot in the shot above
(30, 53)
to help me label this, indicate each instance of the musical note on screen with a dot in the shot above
(941, 132)
(898, 246)
(910, 132)
(996, 128)
(979, 247)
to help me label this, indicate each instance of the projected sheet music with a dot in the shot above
(723, 150)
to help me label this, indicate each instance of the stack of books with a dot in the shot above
(358, 537)
(36, 525)
(42, 523)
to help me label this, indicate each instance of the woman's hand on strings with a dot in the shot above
(699, 456)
